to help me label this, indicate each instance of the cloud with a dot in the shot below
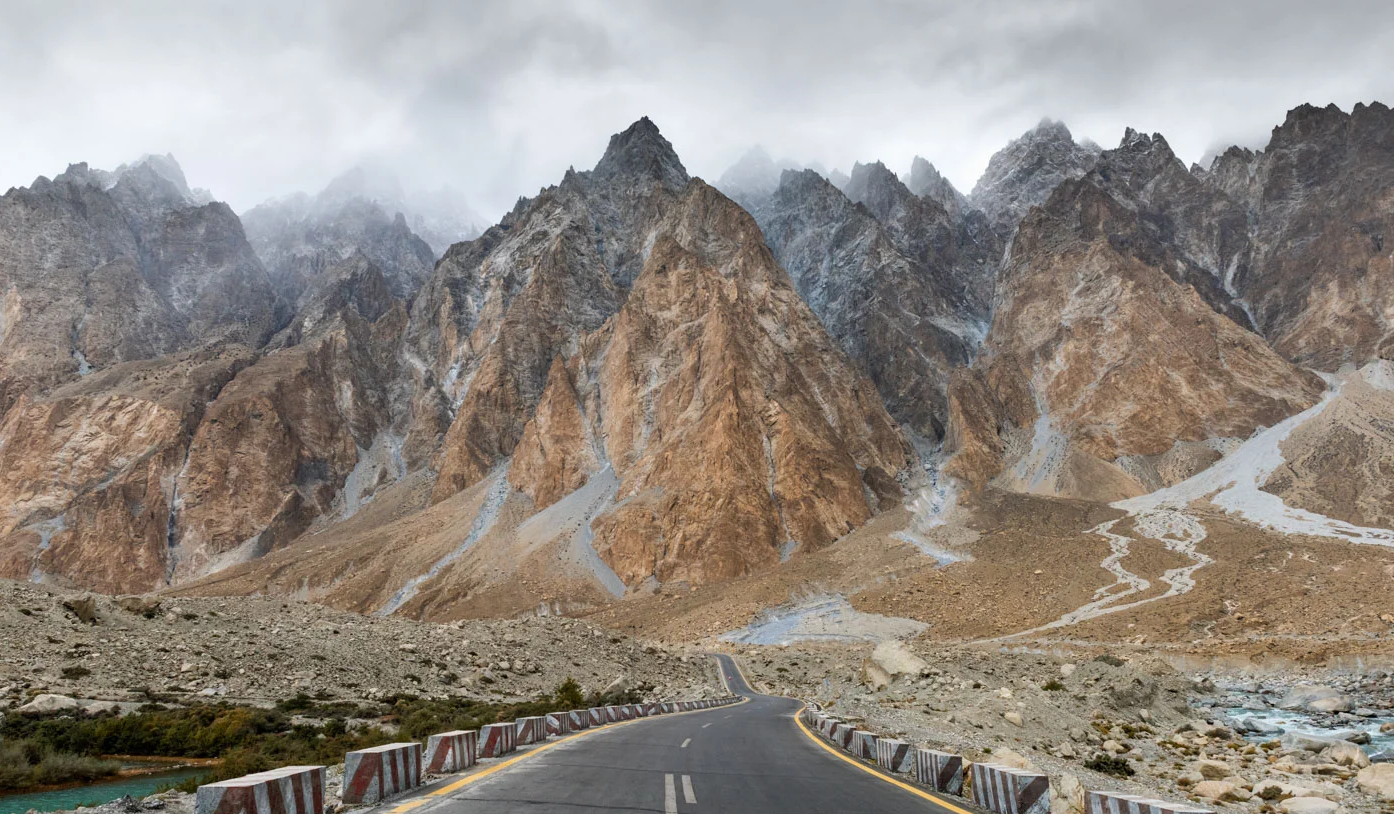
(260, 98)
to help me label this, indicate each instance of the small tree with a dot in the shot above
(568, 694)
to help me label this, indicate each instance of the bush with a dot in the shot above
(1053, 685)
(71, 673)
(568, 694)
(27, 763)
(1109, 764)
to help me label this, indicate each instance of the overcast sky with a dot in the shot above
(258, 99)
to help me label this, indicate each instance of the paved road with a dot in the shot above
(749, 758)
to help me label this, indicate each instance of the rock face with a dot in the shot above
(100, 268)
(900, 284)
(300, 238)
(926, 182)
(1318, 198)
(1025, 172)
(1106, 345)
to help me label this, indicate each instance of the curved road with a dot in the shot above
(749, 758)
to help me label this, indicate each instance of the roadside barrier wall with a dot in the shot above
(452, 751)
(864, 745)
(1108, 802)
(291, 790)
(558, 723)
(379, 772)
(940, 771)
(497, 740)
(1010, 791)
(894, 756)
(530, 730)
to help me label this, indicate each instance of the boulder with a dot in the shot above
(1212, 769)
(1221, 790)
(875, 678)
(893, 657)
(1066, 794)
(1338, 703)
(84, 608)
(49, 702)
(1377, 779)
(1309, 805)
(1013, 718)
(147, 606)
(1307, 742)
(1008, 757)
(101, 707)
(1303, 695)
(1346, 754)
(1386, 727)
(1067, 670)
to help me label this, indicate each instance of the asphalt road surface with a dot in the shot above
(749, 758)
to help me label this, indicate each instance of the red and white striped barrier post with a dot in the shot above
(1108, 802)
(612, 714)
(864, 744)
(578, 719)
(894, 756)
(497, 740)
(1010, 791)
(379, 772)
(842, 736)
(940, 771)
(291, 790)
(530, 730)
(596, 716)
(451, 751)
(558, 723)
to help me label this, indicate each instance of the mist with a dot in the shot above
(260, 99)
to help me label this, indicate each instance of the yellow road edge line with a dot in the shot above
(465, 781)
(933, 798)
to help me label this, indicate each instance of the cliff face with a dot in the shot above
(1025, 172)
(1322, 212)
(98, 268)
(1108, 348)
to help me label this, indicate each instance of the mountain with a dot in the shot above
(900, 284)
(616, 386)
(1023, 174)
(298, 238)
(1114, 352)
(1321, 216)
(926, 182)
(754, 178)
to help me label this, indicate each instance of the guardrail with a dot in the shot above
(999, 789)
(373, 775)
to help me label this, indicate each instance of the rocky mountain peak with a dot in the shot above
(641, 151)
(1023, 174)
(926, 182)
(878, 189)
(751, 179)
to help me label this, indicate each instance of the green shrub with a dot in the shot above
(1053, 685)
(568, 694)
(1109, 764)
(72, 673)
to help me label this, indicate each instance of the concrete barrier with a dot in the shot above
(530, 730)
(379, 772)
(292, 790)
(596, 716)
(864, 744)
(1108, 802)
(1009, 791)
(497, 740)
(558, 723)
(842, 736)
(452, 751)
(612, 714)
(578, 719)
(894, 756)
(940, 771)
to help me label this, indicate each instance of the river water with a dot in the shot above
(94, 793)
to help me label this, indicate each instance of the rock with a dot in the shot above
(1309, 805)
(84, 608)
(1066, 750)
(1340, 703)
(1307, 742)
(1066, 794)
(1377, 779)
(619, 685)
(1189, 779)
(1358, 736)
(1013, 718)
(101, 707)
(1113, 747)
(48, 703)
(1012, 758)
(1302, 695)
(895, 659)
(147, 606)
(1067, 670)
(1221, 790)
(1212, 769)
(1386, 728)
(873, 677)
(1346, 754)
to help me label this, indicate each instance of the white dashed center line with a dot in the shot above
(687, 790)
(704, 726)
(685, 743)
(670, 795)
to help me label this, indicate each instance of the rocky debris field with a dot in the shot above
(94, 651)
(1134, 725)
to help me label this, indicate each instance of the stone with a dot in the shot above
(84, 608)
(1377, 779)
(1067, 794)
(1386, 727)
(1067, 670)
(48, 703)
(1012, 758)
(1346, 754)
(1307, 742)
(1013, 718)
(1302, 695)
(147, 606)
(1309, 805)
(1114, 747)
(895, 659)
(101, 707)
(1066, 750)
(1220, 790)
(1340, 703)
(1212, 769)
